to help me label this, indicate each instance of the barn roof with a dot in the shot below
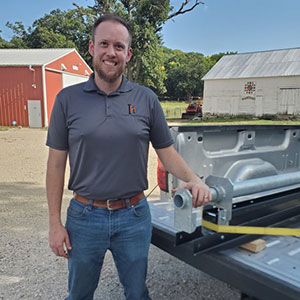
(25, 57)
(257, 64)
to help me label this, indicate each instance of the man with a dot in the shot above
(104, 126)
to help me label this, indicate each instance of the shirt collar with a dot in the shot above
(90, 86)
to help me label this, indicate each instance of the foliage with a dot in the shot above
(168, 72)
(19, 39)
(59, 29)
(3, 43)
(146, 18)
(185, 71)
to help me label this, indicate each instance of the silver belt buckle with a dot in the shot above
(107, 203)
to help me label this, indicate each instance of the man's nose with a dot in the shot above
(111, 50)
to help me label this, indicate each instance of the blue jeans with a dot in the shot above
(94, 230)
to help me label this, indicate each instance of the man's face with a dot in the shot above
(110, 50)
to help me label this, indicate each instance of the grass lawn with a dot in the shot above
(232, 121)
(174, 109)
(173, 104)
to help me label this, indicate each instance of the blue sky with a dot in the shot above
(217, 26)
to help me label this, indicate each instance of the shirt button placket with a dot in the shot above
(108, 108)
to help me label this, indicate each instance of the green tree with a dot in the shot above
(63, 29)
(42, 37)
(146, 18)
(72, 28)
(185, 71)
(4, 43)
(20, 35)
(59, 29)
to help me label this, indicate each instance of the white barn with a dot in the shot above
(258, 83)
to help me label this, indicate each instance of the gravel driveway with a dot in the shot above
(29, 270)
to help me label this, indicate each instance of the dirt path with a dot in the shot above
(29, 270)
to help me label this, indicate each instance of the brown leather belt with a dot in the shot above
(111, 204)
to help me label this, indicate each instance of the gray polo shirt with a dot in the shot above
(107, 137)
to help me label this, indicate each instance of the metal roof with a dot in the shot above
(272, 63)
(25, 57)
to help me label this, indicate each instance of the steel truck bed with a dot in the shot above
(239, 153)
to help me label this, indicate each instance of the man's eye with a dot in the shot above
(119, 47)
(103, 44)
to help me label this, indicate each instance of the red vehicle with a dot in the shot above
(193, 110)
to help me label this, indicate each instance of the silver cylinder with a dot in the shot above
(243, 188)
(181, 198)
(263, 184)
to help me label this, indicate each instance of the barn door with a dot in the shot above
(34, 113)
(259, 106)
(288, 100)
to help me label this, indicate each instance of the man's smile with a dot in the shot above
(109, 63)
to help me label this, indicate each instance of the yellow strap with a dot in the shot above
(251, 229)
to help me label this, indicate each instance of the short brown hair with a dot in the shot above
(114, 18)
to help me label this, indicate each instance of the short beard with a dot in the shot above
(110, 78)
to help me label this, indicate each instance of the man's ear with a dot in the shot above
(91, 47)
(129, 55)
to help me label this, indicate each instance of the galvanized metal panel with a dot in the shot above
(37, 57)
(257, 64)
(212, 150)
(17, 85)
(281, 258)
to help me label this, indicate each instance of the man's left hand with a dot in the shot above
(200, 192)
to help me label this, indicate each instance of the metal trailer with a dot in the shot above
(239, 154)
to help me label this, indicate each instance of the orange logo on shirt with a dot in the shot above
(132, 109)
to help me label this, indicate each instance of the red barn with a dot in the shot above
(30, 80)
